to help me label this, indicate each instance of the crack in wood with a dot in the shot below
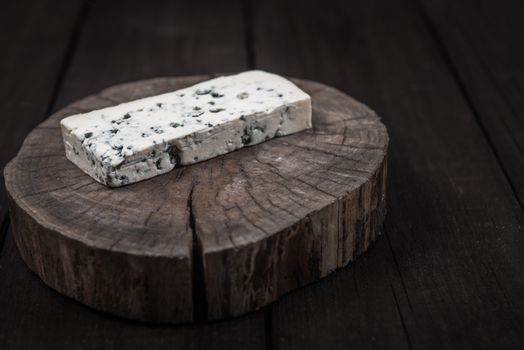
(402, 321)
(251, 221)
(200, 307)
(311, 149)
(282, 208)
(315, 187)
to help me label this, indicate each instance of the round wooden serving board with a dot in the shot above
(210, 240)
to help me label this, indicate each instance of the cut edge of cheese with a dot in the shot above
(183, 127)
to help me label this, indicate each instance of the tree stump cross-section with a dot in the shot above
(215, 239)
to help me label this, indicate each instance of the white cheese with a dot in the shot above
(140, 139)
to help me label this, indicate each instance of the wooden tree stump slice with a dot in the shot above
(210, 240)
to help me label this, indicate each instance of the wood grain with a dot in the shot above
(486, 53)
(208, 241)
(45, 30)
(34, 316)
(42, 315)
(449, 273)
(453, 276)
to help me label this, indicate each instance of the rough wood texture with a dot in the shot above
(226, 236)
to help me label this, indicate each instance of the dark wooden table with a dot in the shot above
(446, 76)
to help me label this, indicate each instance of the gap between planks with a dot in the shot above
(64, 66)
(465, 94)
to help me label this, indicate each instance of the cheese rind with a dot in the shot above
(137, 140)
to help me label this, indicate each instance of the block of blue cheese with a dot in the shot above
(137, 140)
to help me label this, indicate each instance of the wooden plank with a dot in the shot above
(134, 40)
(356, 307)
(123, 41)
(453, 225)
(36, 37)
(484, 42)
